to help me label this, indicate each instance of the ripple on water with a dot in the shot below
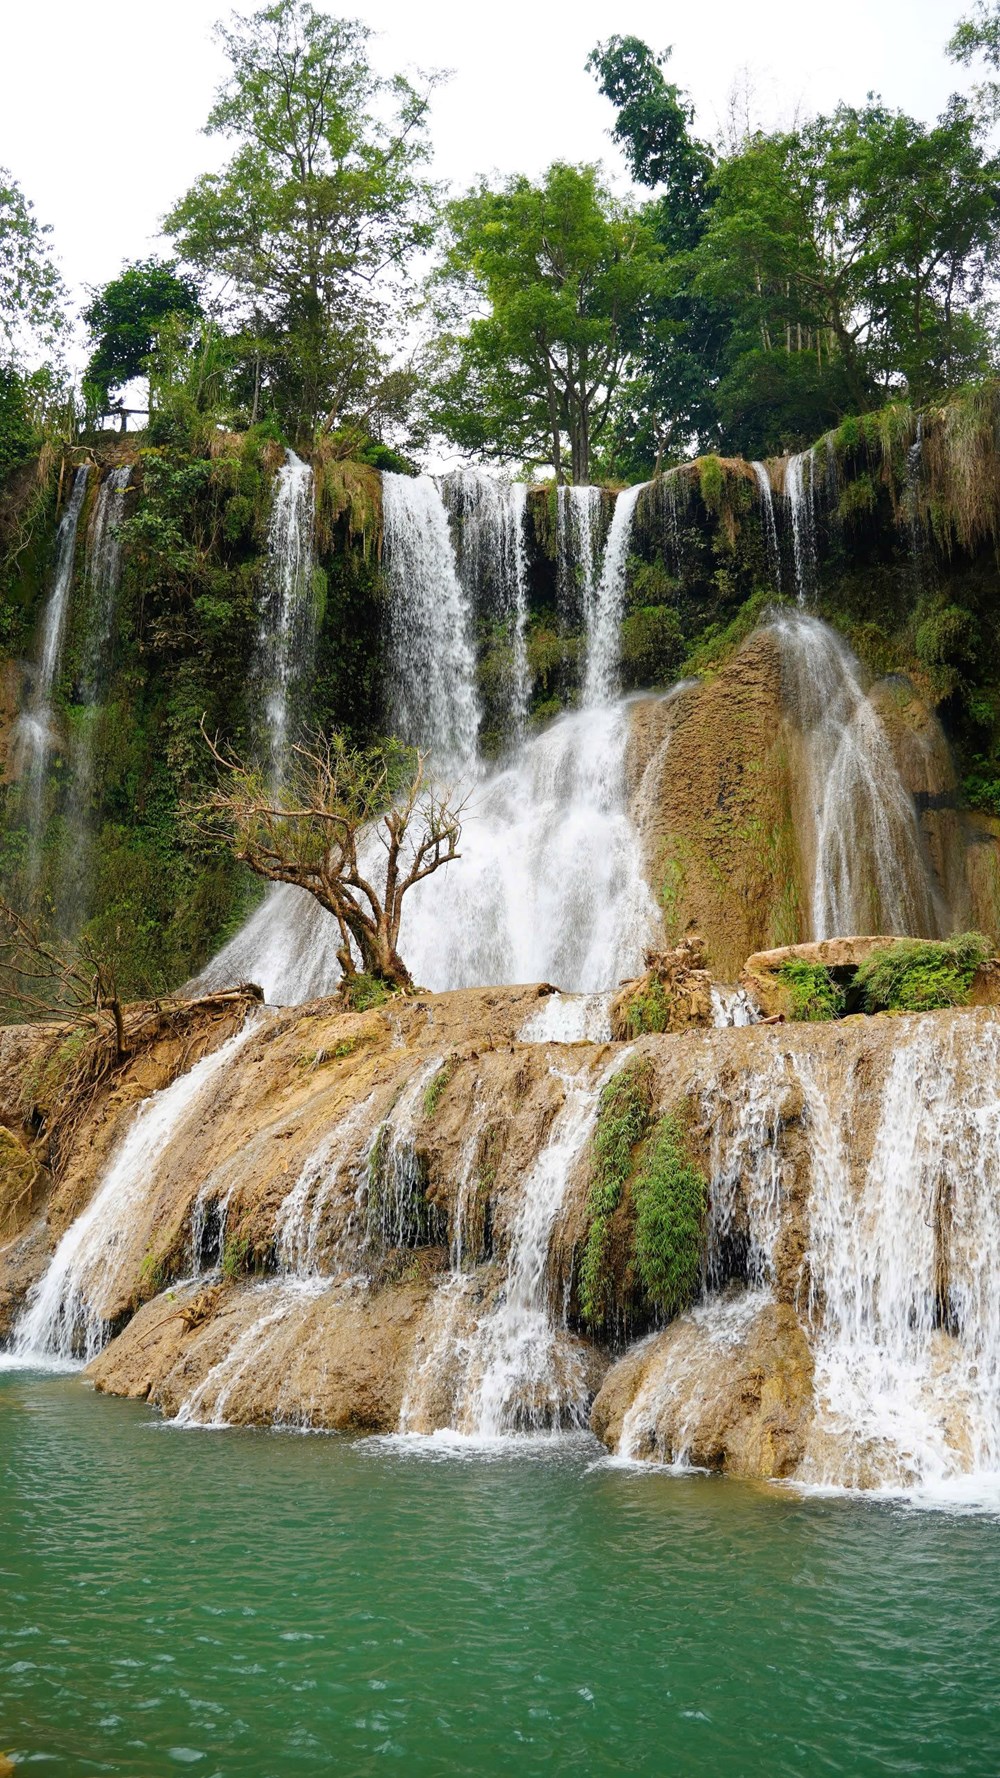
(265, 1605)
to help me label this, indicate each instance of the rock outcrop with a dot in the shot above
(372, 1221)
(674, 993)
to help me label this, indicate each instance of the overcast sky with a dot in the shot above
(101, 108)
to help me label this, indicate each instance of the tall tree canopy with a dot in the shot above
(669, 400)
(853, 256)
(311, 223)
(545, 282)
(31, 289)
(124, 319)
(807, 273)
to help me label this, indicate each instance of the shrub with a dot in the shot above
(649, 1010)
(435, 1087)
(237, 1257)
(622, 1121)
(671, 1199)
(363, 993)
(813, 994)
(917, 975)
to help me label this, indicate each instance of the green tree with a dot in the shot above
(669, 402)
(310, 225)
(31, 289)
(854, 255)
(543, 288)
(125, 320)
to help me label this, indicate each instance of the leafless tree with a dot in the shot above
(41, 979)
(319, 832)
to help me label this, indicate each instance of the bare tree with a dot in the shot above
(42, 980)
(319, 832)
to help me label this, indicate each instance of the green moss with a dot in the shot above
(917, 975)
(622, 1121)
(858, 499)
(435, 1088)
(712, 482)
(237, 1257)
(813, 994)
(649, 1009)
(671, 1198)
(719, 641)
(152, 1277)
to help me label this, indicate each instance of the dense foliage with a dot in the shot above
(918, 976)
(306, 232)
(813, 995)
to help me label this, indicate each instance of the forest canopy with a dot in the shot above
(742, 296)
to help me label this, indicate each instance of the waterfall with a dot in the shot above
(63, 1314)
(103, 577)
(606, 607)
(521, 1372)
(550, 886)
(431, 664)
(800, 493)
(35, 725)
(578, 520)
(770, 522)
(491, 515)
(286, 946)
(905, 1273)
(299, 1225)
(287, 621)
(868, 872)
(914, 465)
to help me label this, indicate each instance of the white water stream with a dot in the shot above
(34, 727)
(800, 471)
(287, 626)
(868, 872)
(63, 1313)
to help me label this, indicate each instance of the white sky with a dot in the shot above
(101, 107)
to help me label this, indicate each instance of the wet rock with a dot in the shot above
(728, 1386)
(674, 993)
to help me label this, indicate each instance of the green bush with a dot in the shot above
(671, 1198)
(812, 991)
(917, 975)
(622, 1121)
(364, 993)
(649, 1010)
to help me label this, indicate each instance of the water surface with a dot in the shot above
(262, 1605)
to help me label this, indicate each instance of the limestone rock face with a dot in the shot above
(711, 800)
(674, 993)
(760, 975)
(735, 1396)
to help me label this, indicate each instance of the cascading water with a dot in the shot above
(578, 526)
(521, 1372)
(35, 725)
(490, 516)
(800, 472)
(102, 581)
(904, 1270)
(287, 624)
(103, 576)
(63, 1315)
(868, 870)
(770, 522)
(550, 884)
(605, 609)
(287, 945)
(431, 664)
